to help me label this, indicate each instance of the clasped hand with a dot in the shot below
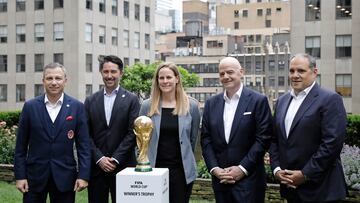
(290, 178)
(229, 175)
(107, 164)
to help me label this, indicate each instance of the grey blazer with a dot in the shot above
(188, 133)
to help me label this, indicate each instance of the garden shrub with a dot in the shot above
(353, 130)
(7, 143)
(10, 117)
(350, 157)
(202, 170)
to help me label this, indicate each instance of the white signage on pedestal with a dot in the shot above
(142, 187)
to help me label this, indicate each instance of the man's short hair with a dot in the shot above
(110, 58)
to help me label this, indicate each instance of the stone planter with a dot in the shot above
(202, 188)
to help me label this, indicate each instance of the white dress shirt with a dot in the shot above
(109, 100)
(53, 109)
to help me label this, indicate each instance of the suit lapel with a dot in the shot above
(44, 115)
(282, 113)
(218, 112)
(240, 109)
(61, 118)
(310, 98)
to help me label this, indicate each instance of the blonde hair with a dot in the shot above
(182, 101)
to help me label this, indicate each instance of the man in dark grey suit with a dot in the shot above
(111, 113)
(310, 126)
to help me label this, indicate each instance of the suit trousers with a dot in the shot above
(100, 186)
(179, 191)
(293, 197)
(55, 195)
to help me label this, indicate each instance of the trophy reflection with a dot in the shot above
(142, 129)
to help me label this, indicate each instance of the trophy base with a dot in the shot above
(143, 167)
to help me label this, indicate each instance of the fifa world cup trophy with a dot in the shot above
(142, 129)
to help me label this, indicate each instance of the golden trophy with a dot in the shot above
(142, 129)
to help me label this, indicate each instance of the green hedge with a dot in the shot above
(10, 117)
(353, 130)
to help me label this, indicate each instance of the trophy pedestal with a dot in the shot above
(140, 187)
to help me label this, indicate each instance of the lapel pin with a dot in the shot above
(67, 105)
(123, 95)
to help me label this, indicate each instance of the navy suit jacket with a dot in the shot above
(314, 144)
(249, 138)
(116, 139)
(44, 148)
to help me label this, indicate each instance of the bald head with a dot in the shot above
(230, 73)
(230, 61)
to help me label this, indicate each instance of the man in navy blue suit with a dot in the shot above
(310, 126)
(50, 125)
(236, 131)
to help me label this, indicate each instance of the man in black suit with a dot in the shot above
(310, 126)
(111, 113)
(236, 131)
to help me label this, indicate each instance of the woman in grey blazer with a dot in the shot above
(176, 120)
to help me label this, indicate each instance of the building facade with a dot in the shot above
(330, 31)
(74, 33)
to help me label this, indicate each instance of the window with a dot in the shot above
(59, 58)
(250, 38)
(20, 93)
(268, 11)
(3, 63)
(147, 41)
(126, 61)
(344, 85)
(281, 65)
(214, 44)
(259, 12)
(236, 25)
(58, 31)
(271, 81)
(258, 50)
(259, 1)
(312, 46)
(3, 33)
(343, 9)
(88, 90)
(147, 61)
(20, 33)
(114, 37)
(58, 4)
(312, 10)
(258, 67)
(20, 63)
(126, 38)
(114, 7)
(88, 32)
(20, 5)
(267, 23)
(258, 38)
(236, 13)
(88, 4)
(102, 6)
(318, 79)
(271, 65)
(247, 1)
(258, 81)
(3, 5)
(343, 46)
(137, 40)
(281, 81)
(245, 13)
(88, 62)
(102, 34)
(38, 90)
(39, 32)
(38, 62)
(126, 9)
(137, 12)
(39, 4)
(147, 14)
(278, 9)
(136, 60)
(3, 92)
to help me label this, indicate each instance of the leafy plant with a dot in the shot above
(202, 170)
(7, 143)
(350, 156)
